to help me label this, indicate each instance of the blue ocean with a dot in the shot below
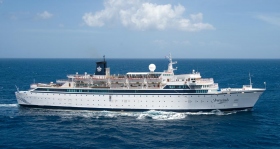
(22, 127)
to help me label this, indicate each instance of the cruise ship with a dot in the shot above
(133, 91)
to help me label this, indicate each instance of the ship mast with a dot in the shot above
(170, 65)
(250, 79)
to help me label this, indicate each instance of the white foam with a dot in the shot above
(161, 115)
(213, 112)
(152, 114)
(8, 105)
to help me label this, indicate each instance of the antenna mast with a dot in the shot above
(170, 65)
(250, 79)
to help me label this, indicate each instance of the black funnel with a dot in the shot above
(101, 67)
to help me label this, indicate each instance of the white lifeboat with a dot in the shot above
(33, 86)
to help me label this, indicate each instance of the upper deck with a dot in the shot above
(138, 80)
(134, 80)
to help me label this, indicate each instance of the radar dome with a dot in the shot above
(152, 67)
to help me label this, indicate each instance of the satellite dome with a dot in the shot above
(152, 67)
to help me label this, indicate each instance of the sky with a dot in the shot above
(140, 28)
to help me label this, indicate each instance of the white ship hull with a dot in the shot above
(139, 91)
(130, 102)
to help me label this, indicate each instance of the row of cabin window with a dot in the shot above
(201, 91)
(167, 75)
(119, 91)
(178, 86)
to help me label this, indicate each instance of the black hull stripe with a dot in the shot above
(123, 110)
(88, 93)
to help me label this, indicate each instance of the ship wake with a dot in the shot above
(152, 114)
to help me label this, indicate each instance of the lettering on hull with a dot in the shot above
(221, 101)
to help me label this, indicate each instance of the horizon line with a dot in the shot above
(137, 58)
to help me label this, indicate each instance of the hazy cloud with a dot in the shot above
(143, 15)
(271, 19)
(61, 25)
(183, 42)
(164, 43)
(13, 17)
(45, 15)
